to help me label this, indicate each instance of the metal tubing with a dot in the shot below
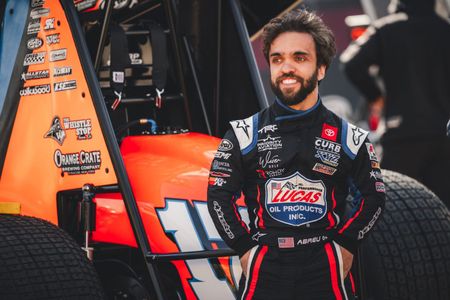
(219, 67)
(178, 59)
(197, 84)
(143, 12)
(151, 99)
(190, 255)
(248, 51)
(103, 36)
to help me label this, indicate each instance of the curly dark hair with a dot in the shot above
(302, 20)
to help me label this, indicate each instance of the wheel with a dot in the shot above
(123, 281)
(407, 256)
(41, 261)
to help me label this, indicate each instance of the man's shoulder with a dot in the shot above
(390, 20)
(352, 137)
(246, 131)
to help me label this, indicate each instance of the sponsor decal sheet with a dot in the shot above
(53, 85)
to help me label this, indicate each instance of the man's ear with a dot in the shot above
(321, 72)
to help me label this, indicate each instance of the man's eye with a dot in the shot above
(300, 58)
(276, 60)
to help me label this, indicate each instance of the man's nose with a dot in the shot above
(287, 67)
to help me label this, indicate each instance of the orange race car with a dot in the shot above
(110, 113)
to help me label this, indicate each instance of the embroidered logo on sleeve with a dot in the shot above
(379, 187)
(371, 151)
(352, 138)
(225, 145)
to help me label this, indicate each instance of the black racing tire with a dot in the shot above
(407, 255)
(41, 261)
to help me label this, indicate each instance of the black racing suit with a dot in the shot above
(295, 169)
(410, 50)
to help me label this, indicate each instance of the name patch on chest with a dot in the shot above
(295, 200)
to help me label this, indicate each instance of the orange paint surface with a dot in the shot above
(30, 175)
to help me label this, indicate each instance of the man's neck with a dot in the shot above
(309, 102)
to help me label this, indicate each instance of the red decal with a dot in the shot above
(329, 132)
(330, 214)
(261, 173)
(238, 215)
(333, 273)
(255, 273)
(287, 195)
(352, 282)
(260, 211)
(352, 218)
(286, 242)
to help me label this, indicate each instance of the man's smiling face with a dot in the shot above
(293, 67)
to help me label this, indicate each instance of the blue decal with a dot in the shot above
(296, 200)
(344, 140)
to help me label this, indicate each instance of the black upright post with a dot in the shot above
(175, 39)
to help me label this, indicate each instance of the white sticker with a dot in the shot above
(65, 85)
(34, 58)
(59, 54)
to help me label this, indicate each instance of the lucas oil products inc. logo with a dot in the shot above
(295, 200)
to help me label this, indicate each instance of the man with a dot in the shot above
(411, 50)
(295, 162)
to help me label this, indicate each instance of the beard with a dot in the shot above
(290, 98)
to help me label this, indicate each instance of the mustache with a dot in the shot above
(289, 76)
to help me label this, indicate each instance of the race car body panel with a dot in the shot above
(160, 168)
(55, 142)
(168, 175)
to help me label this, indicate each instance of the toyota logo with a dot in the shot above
(329, 132)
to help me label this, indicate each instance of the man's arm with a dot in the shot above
(375, 111)
(367, 182)
(358, 59)
(224, 188)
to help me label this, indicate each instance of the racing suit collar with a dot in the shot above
(284, 112)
